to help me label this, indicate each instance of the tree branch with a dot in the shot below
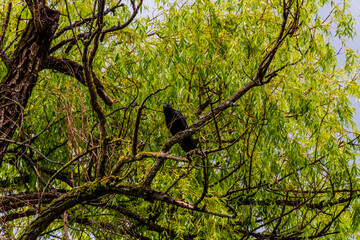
(94, 190)
(257, 80)
(75, 70)
(137, 121)
(124, 25)
(88, 19)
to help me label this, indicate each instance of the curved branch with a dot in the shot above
(95, 190)
(75, 70)
(137, 122)
(88, 19)
(143, 155)
(124, 25)
(257, 80)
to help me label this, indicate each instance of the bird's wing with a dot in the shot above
(179, 118)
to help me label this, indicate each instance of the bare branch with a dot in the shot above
(137, 121)
(85, 20)
(75, 70)
(124, 25)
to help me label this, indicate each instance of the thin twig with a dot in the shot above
(137, 121)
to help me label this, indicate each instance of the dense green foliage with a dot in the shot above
(280, 162)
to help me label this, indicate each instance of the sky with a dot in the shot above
(350, 43)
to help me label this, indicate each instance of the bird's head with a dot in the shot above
(167, 107)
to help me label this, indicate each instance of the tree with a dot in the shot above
(85, 152)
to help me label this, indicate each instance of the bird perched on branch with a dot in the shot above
(176, 122)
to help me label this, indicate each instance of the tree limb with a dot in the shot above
(75, 70)
(94, 190)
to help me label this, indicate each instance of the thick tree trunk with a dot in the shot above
(17, 86)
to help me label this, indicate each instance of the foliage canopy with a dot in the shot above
(90, 155)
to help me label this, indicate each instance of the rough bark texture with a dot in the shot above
(95, 190)
(16, 87)
(61, 204)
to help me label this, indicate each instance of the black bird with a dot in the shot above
(176, 122)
